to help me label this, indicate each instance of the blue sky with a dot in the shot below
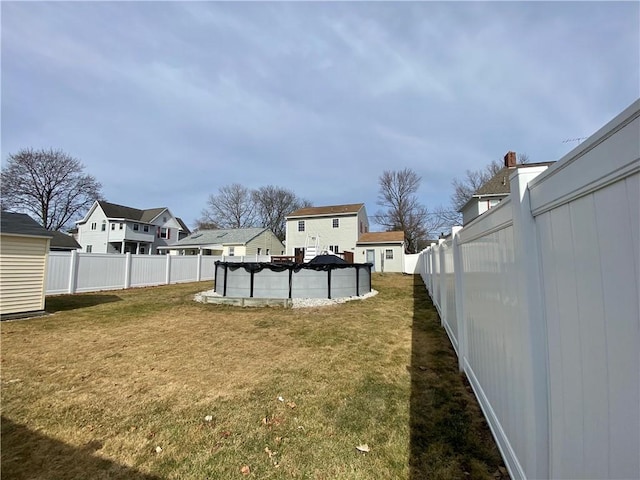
(166, 102)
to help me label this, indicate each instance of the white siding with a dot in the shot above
(345, 236)
(23, 262)
(382, 264)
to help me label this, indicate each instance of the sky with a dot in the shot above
(166, 102)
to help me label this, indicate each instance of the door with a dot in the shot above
(371, 258)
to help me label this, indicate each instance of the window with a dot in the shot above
(164, 232)
(146, 228)
(259, 251)
(104, 227)
(113, 226)
(94, 226)
(164, 219)
(267, 251)
(336, 223)
(334, 248)
(142, 250)
(136, 227)
(388, 254)
(121, 226)
(89, 248)
(232, 251)
(301, 225)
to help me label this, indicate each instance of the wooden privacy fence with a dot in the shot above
(539, 297)
(71, 272)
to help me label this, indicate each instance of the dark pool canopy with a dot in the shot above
(327, 260)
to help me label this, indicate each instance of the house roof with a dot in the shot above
(236, 236)
(498, 185)
(21, 224)
(183, 225)
(327, 210)
(61, 240)
(113, 210)
(381, 237)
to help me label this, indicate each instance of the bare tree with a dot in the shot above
(49, 185)
(402, 210)
(232, 207)
(273, 204)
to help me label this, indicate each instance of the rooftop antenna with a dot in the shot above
(578, 139)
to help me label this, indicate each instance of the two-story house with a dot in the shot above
(111, 228)
(314, 230)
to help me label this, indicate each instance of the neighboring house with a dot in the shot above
(24, 246)
(385, 250)
(111, 228)
(63, 242)
(314, 230)
(495, 190)
(231, 242)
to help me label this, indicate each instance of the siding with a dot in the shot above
(23, 263)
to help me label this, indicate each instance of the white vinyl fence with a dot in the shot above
(539, 297)
(72, 272)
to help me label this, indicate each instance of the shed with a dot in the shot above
(24, 246)
(385, 250)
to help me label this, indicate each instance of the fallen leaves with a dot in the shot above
(245, 470)
(364, 448)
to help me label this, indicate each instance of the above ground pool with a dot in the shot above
(320, 278)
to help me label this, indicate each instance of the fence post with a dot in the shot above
(127, 270)
(458, 275)
(442, 305)
(73, 271)
(534, 341)
(167, 274)
(199, 268)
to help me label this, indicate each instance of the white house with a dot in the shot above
(335, 228)
(385, 250)
(111, 228)
(231, 242)
(495, 190)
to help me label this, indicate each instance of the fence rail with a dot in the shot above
(73, 272)
(539, 297)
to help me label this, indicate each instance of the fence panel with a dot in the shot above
(183, 269)
(100, 271)
(148, 270)
(58, 272)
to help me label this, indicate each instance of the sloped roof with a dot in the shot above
(499, 183)
(183, 225)
(21, 224)
(113, 210)
(62, 240)
(381, 237)
(327, 210)
(236, 236)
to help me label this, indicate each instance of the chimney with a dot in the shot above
(510, 159)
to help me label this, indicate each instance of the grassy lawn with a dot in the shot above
(147, 384)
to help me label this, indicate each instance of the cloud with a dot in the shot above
(165, 102)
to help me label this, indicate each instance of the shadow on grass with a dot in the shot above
(61, 303)
(448, 434)
(27, 454)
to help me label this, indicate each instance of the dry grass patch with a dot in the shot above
(92, 390)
